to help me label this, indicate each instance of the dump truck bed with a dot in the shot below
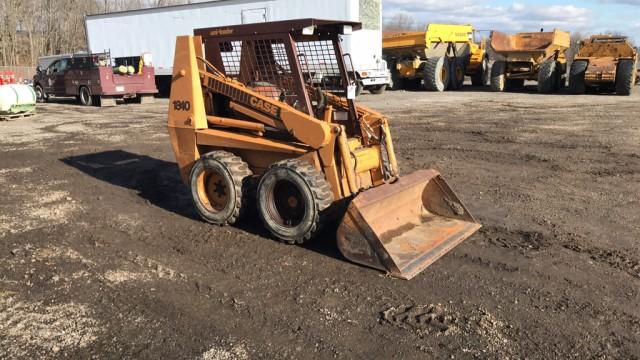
(603, 46)
(530, 42)
(435, 33)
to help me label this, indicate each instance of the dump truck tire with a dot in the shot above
(397, 82)
(547, 77)
(481, 77)
(625, 77)
(436, 74)
(378, 89)
(576, 77)
(498, 81)
(85, 97)
(292, 195)
(457, 72)
(561, 72)
(220, 187)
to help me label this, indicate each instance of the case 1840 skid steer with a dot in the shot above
(262, 115)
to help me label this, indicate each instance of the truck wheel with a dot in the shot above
(85, 96)
(220, 186)
(561, 72)
(436, 74)
(40, 95)
(547, 77)
(481, 77)
(457, 74)
(292, 195)
(576, 77)
(625, 77)
(498, 76)
(378, 89)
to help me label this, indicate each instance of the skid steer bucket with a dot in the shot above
(404, 226)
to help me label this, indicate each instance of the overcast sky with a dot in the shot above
(589, 16)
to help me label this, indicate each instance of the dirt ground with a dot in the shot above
(103, 256)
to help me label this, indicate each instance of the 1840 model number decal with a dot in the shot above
(181, 105)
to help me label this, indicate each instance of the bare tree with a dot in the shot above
(574, 46)
(33, 28)
(400, 22)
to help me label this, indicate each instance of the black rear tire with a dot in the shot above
(220, 185)
(457, 72)
(85, 96)
(577, 84)
(378, 89)
(498, 81)
(625, 77)
(561, 73)
(481, 77)
(547, 77)
(292, 197)
(436, 74)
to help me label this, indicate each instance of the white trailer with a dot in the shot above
(130, 33)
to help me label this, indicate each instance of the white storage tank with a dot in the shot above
(17, 98)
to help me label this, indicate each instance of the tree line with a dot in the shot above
(33, 28)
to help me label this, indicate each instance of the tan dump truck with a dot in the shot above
(604, 63)
(530, 56)
(437, 59)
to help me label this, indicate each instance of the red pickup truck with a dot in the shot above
(95, 79)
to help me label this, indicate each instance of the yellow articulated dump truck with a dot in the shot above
(529, 56)
(605, 63)
(437, 59)
(253, 128)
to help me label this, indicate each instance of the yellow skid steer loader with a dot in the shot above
(262, 115)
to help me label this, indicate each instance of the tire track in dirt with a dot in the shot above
(617, 259)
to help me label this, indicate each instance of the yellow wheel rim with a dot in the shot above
(213, 190)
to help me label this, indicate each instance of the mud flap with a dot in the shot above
(405, 226)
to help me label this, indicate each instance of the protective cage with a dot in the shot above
(287, 67)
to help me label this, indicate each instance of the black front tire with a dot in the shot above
(436, 74)
(378, 89)
(625, 77)
(577, 84)
(498, 77)
(292, 197)
(481, 77)
(220, 185)
(457, 72)
(548, 77)
(40, 94)
(85, 96)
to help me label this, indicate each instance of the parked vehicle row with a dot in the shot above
(439, 58)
